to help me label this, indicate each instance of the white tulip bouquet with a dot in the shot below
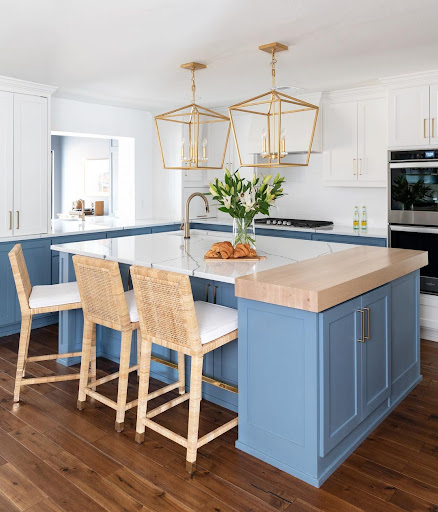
(243, 199)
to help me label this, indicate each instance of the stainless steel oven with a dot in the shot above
(413, 187)
(422, 238)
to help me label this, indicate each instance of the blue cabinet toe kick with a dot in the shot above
(310, 391)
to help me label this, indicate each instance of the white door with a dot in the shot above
(433, 114)
(340, 142)
(409, 116)
(371, 141)
(6, 163)
(31, 205)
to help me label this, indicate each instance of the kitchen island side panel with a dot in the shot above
(278, 386)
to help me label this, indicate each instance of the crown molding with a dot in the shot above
(22, 86)
(423, 78)
(369, 91)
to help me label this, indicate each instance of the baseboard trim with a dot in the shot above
(429, 334)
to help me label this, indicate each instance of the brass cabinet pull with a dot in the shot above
(433, 127)
(369, 324)
(18, 219)
(362, 312)
(215, 293)
(10, 219)
(206, 292)
(360, 166)
(354, 166)
(424, 128)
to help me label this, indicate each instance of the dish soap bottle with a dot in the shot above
(364, 221)
(356, 218)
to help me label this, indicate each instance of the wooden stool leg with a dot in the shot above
(181, 373)
(87, 341)
(125, 354)
(93, 368)
(194, 409)
(139, 342)
(26, 326)
(143, 387)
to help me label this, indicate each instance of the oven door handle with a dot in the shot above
(414, 164)
(414, 229)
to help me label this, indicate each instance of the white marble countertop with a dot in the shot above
(337, 229)
(92, 224)
(169, 251)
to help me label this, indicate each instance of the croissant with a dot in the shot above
(252, 253)
(224, 248)
(241, 251)
(212, 254)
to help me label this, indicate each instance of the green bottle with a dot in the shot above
(356, 218)
(364, 221)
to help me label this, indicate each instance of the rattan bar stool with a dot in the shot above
(105, 302)
(33, 301)
(169, 317)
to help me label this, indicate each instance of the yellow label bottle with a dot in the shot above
(356, 218)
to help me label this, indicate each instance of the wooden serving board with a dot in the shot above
(256, 258)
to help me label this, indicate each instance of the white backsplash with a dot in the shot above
(307, 198)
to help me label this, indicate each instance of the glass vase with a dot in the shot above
(244, 232)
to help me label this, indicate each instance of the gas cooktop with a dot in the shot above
(295, 223)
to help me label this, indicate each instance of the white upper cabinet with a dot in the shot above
(433, 110)
(409, 119)
(340, 142)
(31, 203)
(6, 163)
(354, 136)
(24, 158)
(372, 152)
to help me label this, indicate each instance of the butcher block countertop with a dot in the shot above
(320, 283)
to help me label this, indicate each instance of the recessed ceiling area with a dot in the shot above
(129, 52)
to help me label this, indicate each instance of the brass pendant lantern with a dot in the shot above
(192, 137)
(271, 126)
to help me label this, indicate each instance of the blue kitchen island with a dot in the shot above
(328, 338)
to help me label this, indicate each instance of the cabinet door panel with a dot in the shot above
(376, 384)
(408, 116)
(30, 164)
(372, 136)
(341, 407)
(6, 162)
(340, 142)
(433, 92)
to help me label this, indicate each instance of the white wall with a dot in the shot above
(135, 178)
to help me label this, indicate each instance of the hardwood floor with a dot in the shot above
(56, 458)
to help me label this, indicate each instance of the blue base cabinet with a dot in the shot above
(313, 386)
(44, 268)
(38, 260)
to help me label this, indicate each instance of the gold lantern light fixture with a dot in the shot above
(192, 137)
(271, 126)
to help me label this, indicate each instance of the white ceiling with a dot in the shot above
(128, 52)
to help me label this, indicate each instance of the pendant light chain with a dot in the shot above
(273, 62)
(193, 85)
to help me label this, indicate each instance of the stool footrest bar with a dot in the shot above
(50, 357)
(166, 432)
(167, 405)
(47, 380)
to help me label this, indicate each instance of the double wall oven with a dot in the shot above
(413, 207)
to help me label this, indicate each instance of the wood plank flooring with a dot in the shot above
(55, 458)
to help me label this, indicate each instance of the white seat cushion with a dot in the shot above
(132, 306)
(54, 295)
(214, 321)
